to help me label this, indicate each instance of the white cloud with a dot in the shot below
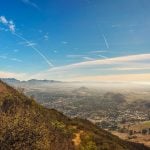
(98, 51)
(75, 56)
(40, 31)
(3, 57)
(15, 50)
(75, 72)
(46, 37)
(3, 20)
(29, 2)
(55, 51)
(116, 25)
(12, 27)
(144, 67)
(115, 78)
(115, 60)
(10, 24)
(102, 56)
(80, 56)
(64, 42)
(16, 59)
(30, 44)
(88, 58)
(10, 59)
(83, 68)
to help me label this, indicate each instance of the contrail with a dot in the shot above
(102, 56)
(35, 49)
(11, 26)
(106, 42)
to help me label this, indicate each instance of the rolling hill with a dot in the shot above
(26, 125)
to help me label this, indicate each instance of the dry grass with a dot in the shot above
(3, 88)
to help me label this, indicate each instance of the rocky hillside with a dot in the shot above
(26, 125)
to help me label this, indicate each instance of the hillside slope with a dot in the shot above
(26, 125)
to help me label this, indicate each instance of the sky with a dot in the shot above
(75, 40)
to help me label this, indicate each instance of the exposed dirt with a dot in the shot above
(77, 139)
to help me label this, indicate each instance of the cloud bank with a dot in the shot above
(95, 69)
(125, 68)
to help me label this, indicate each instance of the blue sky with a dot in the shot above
(75, 39)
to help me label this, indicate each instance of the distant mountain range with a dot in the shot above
(13, 81)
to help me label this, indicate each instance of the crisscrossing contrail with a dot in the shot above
(106, 42)
(35, 49)
(11, 26)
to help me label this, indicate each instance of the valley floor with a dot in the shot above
(137, 138)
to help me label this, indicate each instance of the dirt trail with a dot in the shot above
(77, 139)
